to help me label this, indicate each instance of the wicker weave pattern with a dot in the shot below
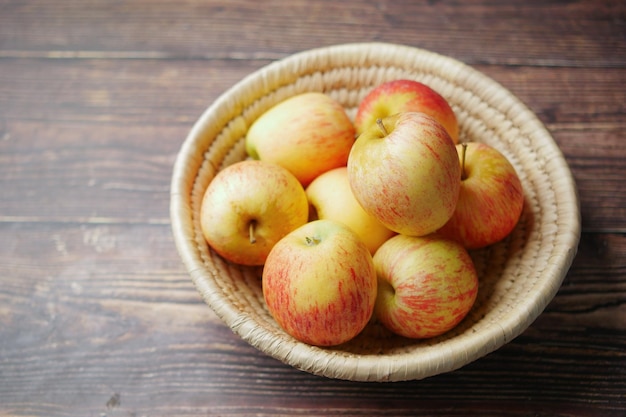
(518, 277)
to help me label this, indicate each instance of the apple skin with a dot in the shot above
(405, 95)
(408, 179)
(427, 285)
(308, 134)
(246, 192)
(319, 283)
(330, 197)
(491, 198)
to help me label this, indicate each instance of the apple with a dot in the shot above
(426, 285)
(491, 198)
(319, 283)
(307, 134)
(330, 197)
(248, 207)
(405, 95)
(405, 172)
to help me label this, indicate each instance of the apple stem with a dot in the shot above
(310, 241)
(251, 230)
(463, 152)
(381, 125)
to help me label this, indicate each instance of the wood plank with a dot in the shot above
(479, 31)
(596, 159)
(47, 180)
(163, 91)
(159, 92)
(101, 301)
(73, 146)
(153, 92)
(85, 174)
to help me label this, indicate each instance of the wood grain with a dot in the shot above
(135, 131)
(542, 33)
(98, 316)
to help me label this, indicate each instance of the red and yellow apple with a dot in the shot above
(491, 198)
(319, 283)
(248, 207)
(307, 134)
(330, 197)
(404, 95)
(426, 285)
(405, 172)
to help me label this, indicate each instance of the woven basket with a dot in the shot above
(518, 276)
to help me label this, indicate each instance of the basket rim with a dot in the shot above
(331, 363)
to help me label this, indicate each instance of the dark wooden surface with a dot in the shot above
(98, 316)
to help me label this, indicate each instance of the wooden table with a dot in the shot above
(98, 316)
